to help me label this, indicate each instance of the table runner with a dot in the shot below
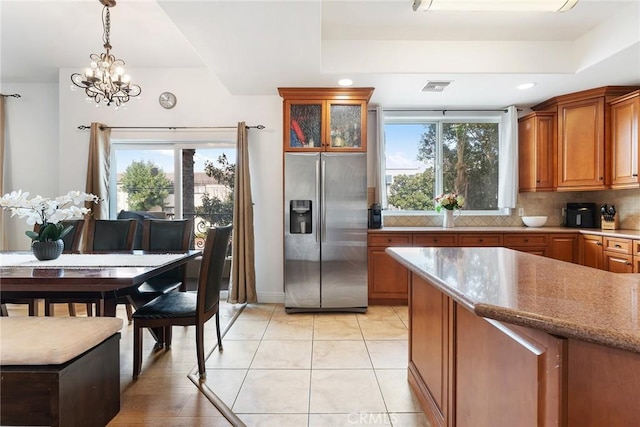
(88, 260)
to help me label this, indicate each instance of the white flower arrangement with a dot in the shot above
(47, 212)
(449, 201)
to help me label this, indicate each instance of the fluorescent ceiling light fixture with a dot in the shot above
(345, 82)
(494, 5)
(524, 86)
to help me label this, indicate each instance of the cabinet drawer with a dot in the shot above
(529, 239)
(390, 239)
(618, 263)
(636, 247)
(480, 240)
(435, 239)
(620, 246)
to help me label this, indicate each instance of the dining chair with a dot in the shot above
(161, 235)
(72, 242)
(187, 308)
(110, 235)
(102, 236)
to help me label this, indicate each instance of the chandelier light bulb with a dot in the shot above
(105, 80)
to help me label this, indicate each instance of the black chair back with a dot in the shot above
(164, 235)
(210, 279)
(73, 237)
(108, 235)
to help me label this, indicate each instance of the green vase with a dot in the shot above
(49, 250)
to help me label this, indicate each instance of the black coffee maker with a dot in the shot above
(375, 216)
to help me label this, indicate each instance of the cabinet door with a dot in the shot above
(591, 250)
(624, 142)
(618, 263)
(527, 153)
(430, 326)
(581, 144)
(346, 126)
(303, 125)
(536, 141)
(563, 247)
(388, 279)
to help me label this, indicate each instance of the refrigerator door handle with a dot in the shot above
(317, 198)
(323, 202)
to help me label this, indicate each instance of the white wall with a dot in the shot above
(48, 154)
(32, 150)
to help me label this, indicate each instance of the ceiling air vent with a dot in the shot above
(436, 86)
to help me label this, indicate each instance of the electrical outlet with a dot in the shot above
(520, 211)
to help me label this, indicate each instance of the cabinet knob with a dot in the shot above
(526, 240)
(599, 243)
(389, 240)
(601, 178)
(617, 246)
(635, 175)
(480, 240)
(435, 240)
(628, 263)
(538, 181)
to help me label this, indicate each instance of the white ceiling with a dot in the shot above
(254, 47)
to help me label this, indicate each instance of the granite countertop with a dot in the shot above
(624, 234)
(514, 287)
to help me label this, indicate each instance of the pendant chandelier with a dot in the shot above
(105, 81)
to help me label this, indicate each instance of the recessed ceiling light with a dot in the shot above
(345, 82)
(524, 86)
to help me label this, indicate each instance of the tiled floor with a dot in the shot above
(276, 369)
(322, 369)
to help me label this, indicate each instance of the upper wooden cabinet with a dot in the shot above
(625, 139)
(325, 119)
(536, 151)
(583, 136)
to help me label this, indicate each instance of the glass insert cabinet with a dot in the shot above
(325, 119)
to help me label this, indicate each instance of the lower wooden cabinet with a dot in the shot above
(563, 247)
(388, 280)
(536, 244)
(591, 250)
(470, 371)
(429, 349)
(608, 253)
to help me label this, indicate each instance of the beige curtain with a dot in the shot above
(243, 274)
(98, 169)
(3, 227)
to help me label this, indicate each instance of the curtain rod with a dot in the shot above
(13, 95)
(84, 127)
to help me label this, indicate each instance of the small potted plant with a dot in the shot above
(450, 202)
(47, 242)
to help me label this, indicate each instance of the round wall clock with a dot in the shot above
(167, 100)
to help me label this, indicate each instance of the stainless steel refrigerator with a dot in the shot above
(325, 239)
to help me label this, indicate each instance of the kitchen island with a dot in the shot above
(499, 337)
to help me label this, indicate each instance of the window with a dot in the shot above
(175, 180)
(426, 156)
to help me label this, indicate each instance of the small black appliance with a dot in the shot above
(581, 215)
(375, 216)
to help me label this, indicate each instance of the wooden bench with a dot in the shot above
(59, 371)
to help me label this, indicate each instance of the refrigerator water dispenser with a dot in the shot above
(300, 217)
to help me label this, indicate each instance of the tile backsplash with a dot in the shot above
(627, 204)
